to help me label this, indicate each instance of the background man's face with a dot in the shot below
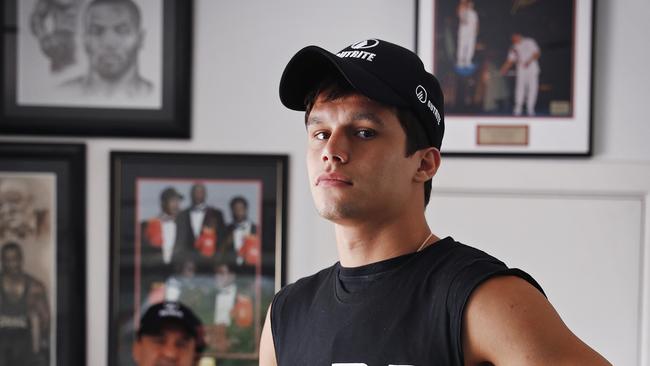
(112, 39)
(239, 211)
(172, 206)
(11, 262)
(171, 348)
(222, 276)
(198, 195)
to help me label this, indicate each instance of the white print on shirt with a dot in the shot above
(360, 364)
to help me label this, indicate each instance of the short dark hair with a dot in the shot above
(334, 87)
(238, 199)
(128, 4)
(11, 246)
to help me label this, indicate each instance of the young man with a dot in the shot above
(169, 334)
(524, 53)
(112, 37)
(399, 295)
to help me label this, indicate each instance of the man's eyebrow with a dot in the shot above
(367, 116)
(361, 116)
(312, 121)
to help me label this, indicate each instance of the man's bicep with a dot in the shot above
(507, 321)
(267, 348)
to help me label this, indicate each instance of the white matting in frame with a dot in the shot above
(39, 83)
(466, 44)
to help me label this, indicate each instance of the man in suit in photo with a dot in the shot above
(200, 229)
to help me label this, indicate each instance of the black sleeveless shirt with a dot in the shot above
(401, 311)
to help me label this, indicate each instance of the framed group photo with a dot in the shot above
(42, 254)
(96, 67)
(207, 230)
(516, 75)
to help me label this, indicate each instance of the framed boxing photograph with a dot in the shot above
(516, 75)
(96, 67)
(207, 230)
(42, 254)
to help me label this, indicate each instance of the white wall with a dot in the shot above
(241, 47)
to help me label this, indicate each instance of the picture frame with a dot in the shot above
(96, 68)
(516, 75)
(197, 228)
(43, 252)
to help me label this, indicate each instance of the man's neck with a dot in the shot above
(359, 244)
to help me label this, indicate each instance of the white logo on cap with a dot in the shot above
(172, 310)
(368, 43)
(421, 93)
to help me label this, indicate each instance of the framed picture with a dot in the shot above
(206, 230)
(516, 75)
(96, 67)
(42, 254)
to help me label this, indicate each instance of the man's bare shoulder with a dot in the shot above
(508, 321)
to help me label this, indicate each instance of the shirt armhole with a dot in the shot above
(464, 285)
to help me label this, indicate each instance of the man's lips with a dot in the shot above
(333, 179)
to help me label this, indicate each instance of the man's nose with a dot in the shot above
(111, 39)
(170, 351)
(336, 150)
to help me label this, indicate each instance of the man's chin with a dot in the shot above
(337, 213)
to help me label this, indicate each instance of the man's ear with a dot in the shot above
(429, 164)
(135, 351)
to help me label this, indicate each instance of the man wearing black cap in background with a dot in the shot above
(169, 335)
(399, 295)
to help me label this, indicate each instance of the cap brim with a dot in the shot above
(312, 64)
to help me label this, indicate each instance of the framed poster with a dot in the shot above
(96, 67)
(42, 254)
(206, 230)
(516, 75)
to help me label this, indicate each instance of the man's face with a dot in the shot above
(198, 195)
(516, 38)
(172, 206)
(171, 348)
(356, 159)
(222, 276)
(239, 211)
(112, 40)
(12, 262)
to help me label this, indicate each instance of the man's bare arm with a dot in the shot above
(509, 322)
(267, 348)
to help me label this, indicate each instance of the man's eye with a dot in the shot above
(95, 30)
(366, 134)
(321, 135)
(183, 343)
(123, 29)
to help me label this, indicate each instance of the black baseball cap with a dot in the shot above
(161, 316)
(169, 193)
(380, 70)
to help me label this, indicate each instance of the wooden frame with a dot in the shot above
(546, 92)
(74, 76)
(197, 261)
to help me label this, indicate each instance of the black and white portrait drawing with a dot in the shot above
(90, 53)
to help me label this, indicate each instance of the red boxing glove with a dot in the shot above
(242, 312)
(206, 243)
(250, 250)
(153, 233)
